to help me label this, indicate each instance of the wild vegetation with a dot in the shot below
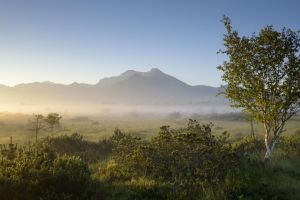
(263, 74)
(190, 162)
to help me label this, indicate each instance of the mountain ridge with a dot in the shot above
(90, 84)
(130, 87)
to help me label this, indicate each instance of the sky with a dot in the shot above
(64, 41)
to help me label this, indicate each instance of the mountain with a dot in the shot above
(154, 86)
(131, 87)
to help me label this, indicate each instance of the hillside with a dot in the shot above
(131, 87)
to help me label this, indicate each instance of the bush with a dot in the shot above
(75, 145)
(250, 150)
(289, 145)
(184, 160)
(40, 174)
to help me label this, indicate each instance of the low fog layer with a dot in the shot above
(131, 92)
(115, 109)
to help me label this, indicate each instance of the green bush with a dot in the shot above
(184, 163)
(289, 145)
(185, 160)
(250, 150)
(40, 174)
(75, 145)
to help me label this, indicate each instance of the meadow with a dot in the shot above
(94, 128)
(170, 157)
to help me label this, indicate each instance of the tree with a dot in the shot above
(263, 77)
(37, 124)
(53, 120)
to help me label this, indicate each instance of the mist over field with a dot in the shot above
(115, 109)
(149, 100)
(152, 92)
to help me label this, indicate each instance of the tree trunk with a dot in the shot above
(270, 146)
(268, 153)
(273, 145)
(268, 149)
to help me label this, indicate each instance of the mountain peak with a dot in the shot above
(156, 70)
(153, 71)
(131, 87)
(129, 73)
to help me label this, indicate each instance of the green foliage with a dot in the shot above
(75, 145)
(249, 149)
(193, 163)
(276, 180)
(262, 76)
(53, 121)
(187, 159)
(290, 145)
(8, 151)
(40, 174)
(178, 163)
(262, 72)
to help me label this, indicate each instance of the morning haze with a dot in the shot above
(150, 92)
(149, 100)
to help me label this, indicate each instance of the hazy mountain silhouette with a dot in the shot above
(131, 87)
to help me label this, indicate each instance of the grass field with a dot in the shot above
(169, 166)
(97, 127)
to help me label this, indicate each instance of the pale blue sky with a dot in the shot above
(71, 40)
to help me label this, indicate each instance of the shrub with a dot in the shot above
(75, 145)
(289, 145)
(40, 174)
(184, 160)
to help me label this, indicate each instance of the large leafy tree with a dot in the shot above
(262, 73)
